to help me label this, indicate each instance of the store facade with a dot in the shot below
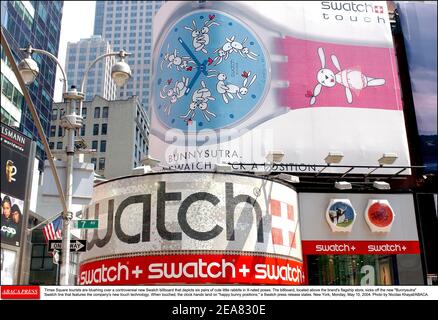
(360, 239)
(193, 228)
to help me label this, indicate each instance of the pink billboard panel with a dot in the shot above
(339, 75)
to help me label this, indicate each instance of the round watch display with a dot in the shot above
(212, 69)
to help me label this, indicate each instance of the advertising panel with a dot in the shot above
(232, 81)
(418, 22)
(384, 224)
(8, 261)
(15, 151)
(193, 228)
(11, 220)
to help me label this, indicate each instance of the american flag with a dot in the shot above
(52, 231)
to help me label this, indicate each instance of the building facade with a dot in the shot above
(354, 223)
(79, 56)
(128, 25)
(37, 23)
(118, 130)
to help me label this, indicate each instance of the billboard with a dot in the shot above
(418, 22)
(193, 228)
(15, 153)
(232, 81)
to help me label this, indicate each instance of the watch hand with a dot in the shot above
(195, 77)
(189, 51)
(203, 69)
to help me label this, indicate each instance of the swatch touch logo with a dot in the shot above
(353, 11)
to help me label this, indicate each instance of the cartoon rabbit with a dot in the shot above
(201, 37)
(200, 100)
(221, 87)
(180, 87)
(174, 93)
(174, 60)
(244, 89)
(230, 46)
(227, 90)
(350, 79)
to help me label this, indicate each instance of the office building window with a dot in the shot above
(105, 112)
(94, 161)
(54, 114)
(84, 113)
(95, 129)
(101, 163)
(52, 131)
(104, 128)
(51, 145)
(83, 130)
(94, 144)
(59, 131)
(96, 112)
(59, 145)
(103, 146)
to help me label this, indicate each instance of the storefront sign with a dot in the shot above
(15, 151)
(321, 247)
(183, 215)
(379, 215)
(340, 215)
(192, 269)
(233, 80)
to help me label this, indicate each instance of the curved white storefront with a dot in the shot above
(193, 228)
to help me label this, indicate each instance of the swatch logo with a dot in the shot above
(352, 11)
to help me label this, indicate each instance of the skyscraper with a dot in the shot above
(37, 23)
(128, 25)
(79, 56)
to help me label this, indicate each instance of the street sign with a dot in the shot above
(86, 224)
(75, 245)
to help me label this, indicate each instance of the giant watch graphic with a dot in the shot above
(211, 70)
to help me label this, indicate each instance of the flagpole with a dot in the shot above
(45, 221)
(58, 271)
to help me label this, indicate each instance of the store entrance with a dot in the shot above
(356, 270)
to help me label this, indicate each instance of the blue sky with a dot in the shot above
(77, 23)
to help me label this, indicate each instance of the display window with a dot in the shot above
(357, 270)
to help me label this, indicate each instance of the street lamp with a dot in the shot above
(71, 121)
(332, 157)
(121, 72)
(28, 67)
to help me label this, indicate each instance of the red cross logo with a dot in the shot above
(283, 223)
(378, 9)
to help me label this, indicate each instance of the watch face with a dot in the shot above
(211, 69)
